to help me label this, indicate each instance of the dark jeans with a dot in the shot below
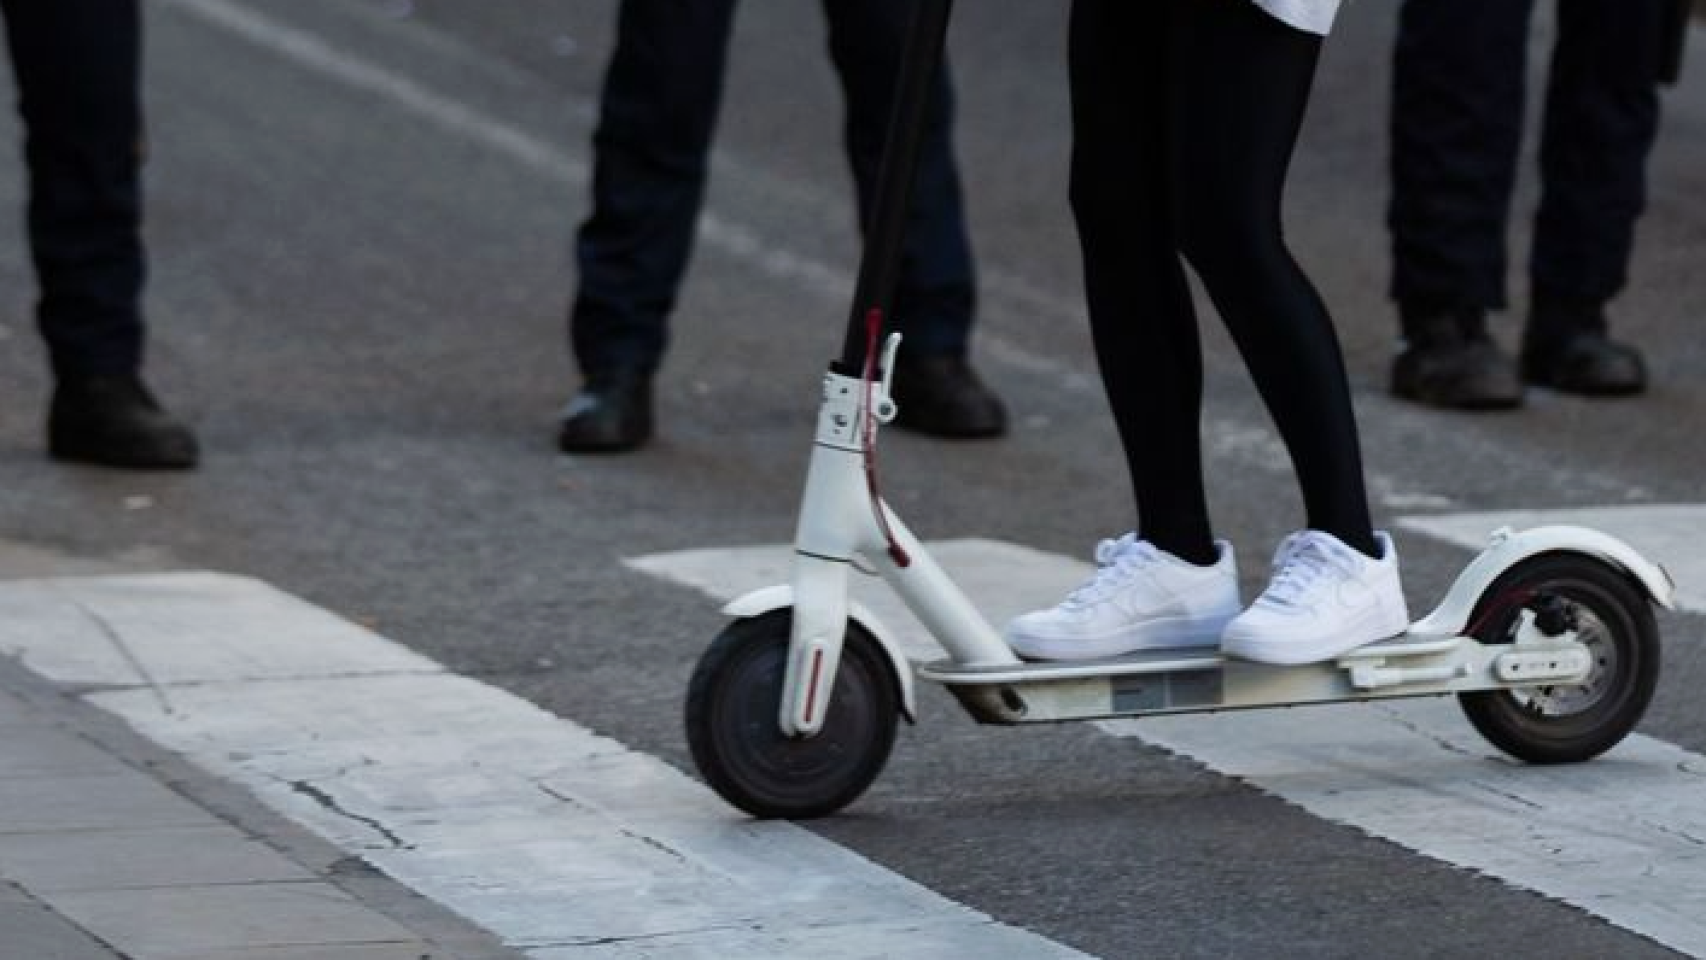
(1457, 109)
(77, 64)
(1184, 117)
(660, 103)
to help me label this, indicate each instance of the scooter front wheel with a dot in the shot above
(1612, 617)
(733, 728)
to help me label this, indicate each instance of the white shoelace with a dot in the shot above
(1301, 561)
(1115, 561)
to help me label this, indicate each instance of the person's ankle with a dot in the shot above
(1433, 322)
(1554, 316)
(1204, 554)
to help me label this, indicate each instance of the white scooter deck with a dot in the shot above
(1201, 679)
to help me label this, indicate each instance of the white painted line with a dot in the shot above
(1623, 837)
(1673, 535)
(555, 839)
(325, 60)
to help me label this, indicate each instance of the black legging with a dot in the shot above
(1185, 113)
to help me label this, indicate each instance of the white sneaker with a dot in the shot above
(1141, 598)
(1325, 599)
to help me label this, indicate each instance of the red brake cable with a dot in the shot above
(868, 436)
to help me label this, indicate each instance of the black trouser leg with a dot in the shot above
(1456, 126)
(934, 301)
(658, 111)
(1602, 116)
(77, 64)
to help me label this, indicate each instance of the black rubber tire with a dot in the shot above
(1626, 649)
(733, 702)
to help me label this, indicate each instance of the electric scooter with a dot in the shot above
(1548, 638)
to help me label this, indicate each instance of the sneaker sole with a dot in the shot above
(1293, 653)
(1171, 634)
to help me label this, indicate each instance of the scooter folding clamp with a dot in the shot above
(883, 408)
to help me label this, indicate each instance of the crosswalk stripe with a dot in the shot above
(559, 841)
(1623, 837)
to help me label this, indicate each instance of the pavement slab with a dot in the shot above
(111, 849)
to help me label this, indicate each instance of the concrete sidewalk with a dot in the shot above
(111, 847)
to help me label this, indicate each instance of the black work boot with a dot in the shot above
(941, 395)
(1566, 348)
(1450, 361)
(611, 414)
(114, 421)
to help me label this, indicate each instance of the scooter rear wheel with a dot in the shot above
(1568, 723)
(733, 705)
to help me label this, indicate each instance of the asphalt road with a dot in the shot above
(359, 215)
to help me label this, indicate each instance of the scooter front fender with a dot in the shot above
(1509, 548)
(781, 596)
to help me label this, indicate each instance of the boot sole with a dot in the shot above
(1484, 402)
(123, 459)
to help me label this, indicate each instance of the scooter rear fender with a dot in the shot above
(1509, 548)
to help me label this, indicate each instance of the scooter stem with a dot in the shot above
(837, 526)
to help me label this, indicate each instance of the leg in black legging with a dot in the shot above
(1241, 83)
(1140, 306)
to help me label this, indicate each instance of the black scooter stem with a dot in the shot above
(885, 228)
